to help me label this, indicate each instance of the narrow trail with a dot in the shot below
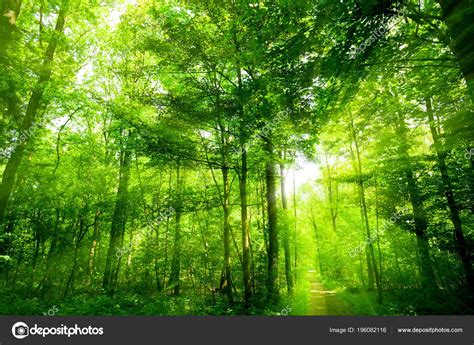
(323, 301)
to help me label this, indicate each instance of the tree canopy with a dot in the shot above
(204, 157)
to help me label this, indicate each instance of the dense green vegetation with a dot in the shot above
(271, 157)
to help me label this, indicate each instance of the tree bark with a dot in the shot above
(371, 261)
(49, 269)
(93, 248)
(227, 264)
(77, 243)
(11, 168)
(245, 230)
(175, 273)
(449, 193)
(271, 180)
(118, 224)
(428, 278)
(332, 198)
(295, 233)
(243, 189)
(286, 230)
(318, 244)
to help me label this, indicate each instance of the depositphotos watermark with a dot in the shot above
(286, 311)
(369, 240)
(375, 35)
(22, 138)
(21, 330)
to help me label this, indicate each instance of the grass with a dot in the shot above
(411, 301)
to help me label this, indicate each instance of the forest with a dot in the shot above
(264, 157)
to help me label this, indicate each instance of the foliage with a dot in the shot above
(194, 157)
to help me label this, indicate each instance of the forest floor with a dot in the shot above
(323, 301)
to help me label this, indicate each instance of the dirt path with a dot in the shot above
(323, 301)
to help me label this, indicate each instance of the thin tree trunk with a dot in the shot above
(370, 267)
(118, 224)
(176, 259)
(167, 231)
(252, 257)
(207, 264)
(377, 234)
(37, 239)
(428, 279)
(271, 180)
(243, 190)
(318, 243)
(245, 230)
(394, 243)
(261, 194)
(227, 285)
(286, 230)
(175, 273)
(93, 249)
(49, 269)
(332, 197)
(449, 193)
(371, 259)
(295, 234)
(70, 281)
(158, 283)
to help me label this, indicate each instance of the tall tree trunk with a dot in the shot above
(271, 180)
(70, 281)
(227, 284)
(370, 267)
(295, 233)
(119, 218)
(158, 283)
(175, 273)
(167, 231)
(38, 239)
(11, 168)
(207, 264)
(318, 244)
(428, 279)
(371, 261)
(332, 198)
(245, 230)
(49, 266)
(261, 205)
(286, 230)
(449, 193)
(77, 243)
(93, 248)
(243, 188)
(377, 234)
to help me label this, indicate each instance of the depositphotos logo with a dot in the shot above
(21, 330)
